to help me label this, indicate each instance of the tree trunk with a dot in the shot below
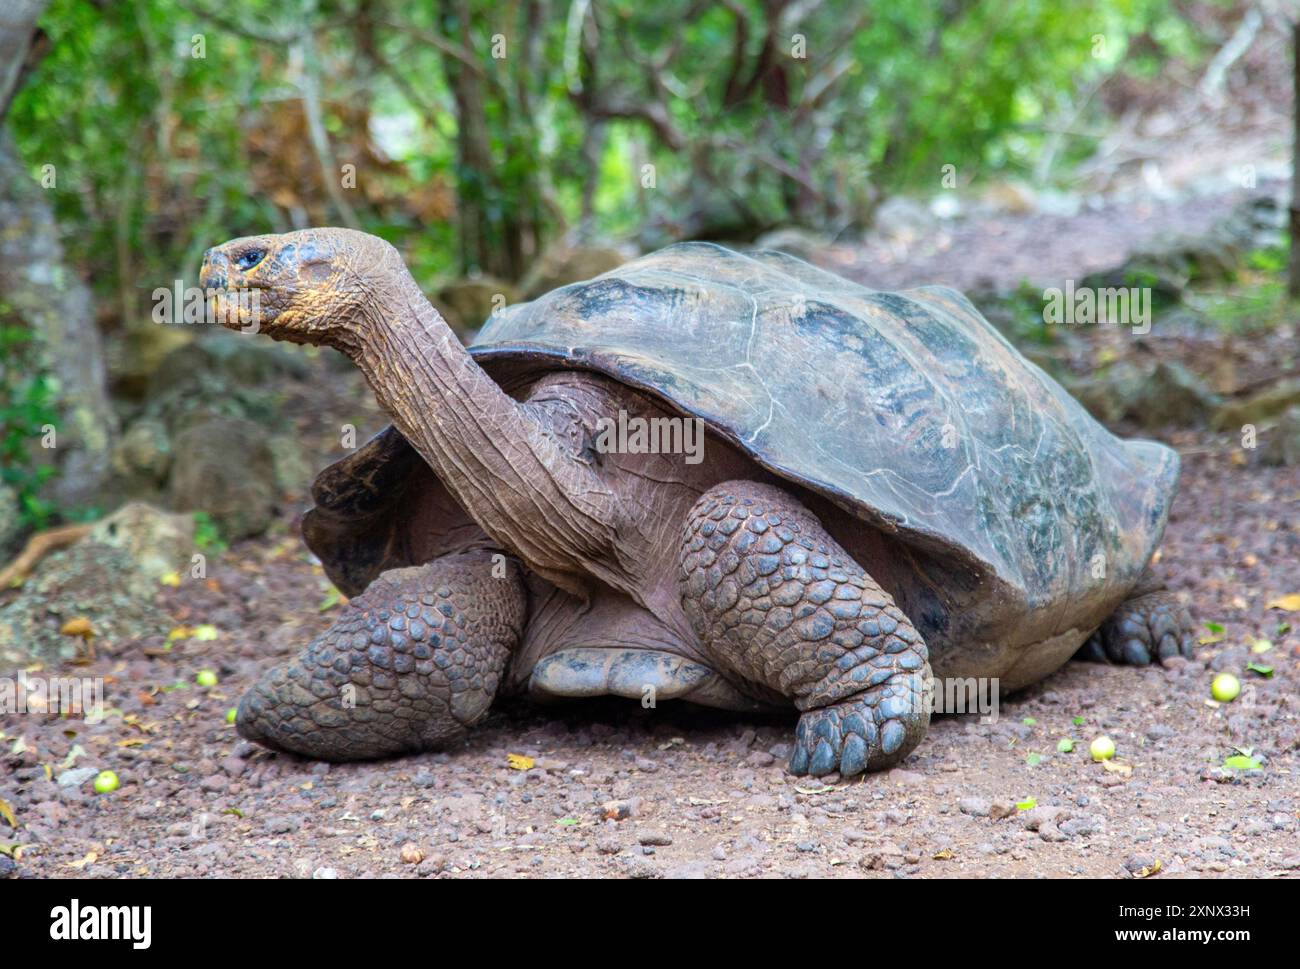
(47, 297)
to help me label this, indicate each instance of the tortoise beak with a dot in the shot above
(215, 270)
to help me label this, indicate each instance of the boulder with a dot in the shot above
(474, 300)
(1259, 408)
(239, 495)
(560, 265)
(216, 397)
(793, 241)
(1282, 445)
(109, 578)
(1161, 395)
(158, 541)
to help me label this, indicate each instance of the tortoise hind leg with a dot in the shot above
(1149, 626)
(776, 602)
(410, 665)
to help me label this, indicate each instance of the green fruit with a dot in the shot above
(206, 678)
(106, 782)
(1225, 688)
(230, 715)
(1103, 748)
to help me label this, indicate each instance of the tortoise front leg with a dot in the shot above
(412, 662)
(776, 601)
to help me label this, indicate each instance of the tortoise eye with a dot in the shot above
(250, 258)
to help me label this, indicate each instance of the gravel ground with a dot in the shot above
(617, 790)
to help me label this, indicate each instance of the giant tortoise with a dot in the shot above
(884, 494)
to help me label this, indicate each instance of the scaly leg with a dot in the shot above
(411, 664)
(775, 601)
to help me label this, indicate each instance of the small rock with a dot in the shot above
(760, 758)
(1044, 814)
(325, 874)
(1135, 863)
(411, 854)
(282, 824)
(976, 807)
(654, 838)
(1048, 831)
(76, 776)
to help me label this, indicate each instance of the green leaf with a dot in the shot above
(1029, 721)
(1261, 669)
(1027, 803)
(1065, 746)
(1079, 721)
(1215, 628)
(1242, 762)
(1033, 760)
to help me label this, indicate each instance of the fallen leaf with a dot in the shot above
(1115, 767)
(824, 789)
(943, 855)
(90, 858)
(1148, 870)
(172, 579)
(1287, 603)
(519, 762)
(1027, 803)
(7, 812)
(205, 633)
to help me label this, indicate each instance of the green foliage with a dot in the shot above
(27, 404)
(207, 536)
(752, 113)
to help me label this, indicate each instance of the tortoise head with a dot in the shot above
(311, 286)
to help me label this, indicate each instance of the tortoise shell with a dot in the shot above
(908, 410)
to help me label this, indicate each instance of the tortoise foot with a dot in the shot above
(1145, 629)
(776, 602)
(870, 732)
(410, 665)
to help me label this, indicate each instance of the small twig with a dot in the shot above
(38, 546)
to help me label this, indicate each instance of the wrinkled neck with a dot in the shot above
(495, 458)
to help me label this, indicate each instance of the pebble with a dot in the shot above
(1035, 817)
(282, 824)
(976, 807)
(654, 838)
